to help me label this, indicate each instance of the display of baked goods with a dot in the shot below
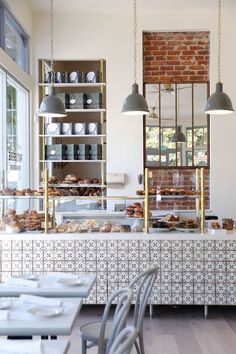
(187, 224)
(53, 192)
(215, 225)
(171, 218)
(160, 224)
(134, 211)
(30, 220)
(168, 192)
(73, 179)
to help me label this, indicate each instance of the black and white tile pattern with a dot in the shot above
(190, 272)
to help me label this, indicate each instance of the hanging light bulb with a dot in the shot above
(219, 102)
(135, 103)
(52, 106)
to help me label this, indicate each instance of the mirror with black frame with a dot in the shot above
(176, 132)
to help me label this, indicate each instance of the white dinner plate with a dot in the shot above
(70, 282)
(46, 311)
(28, 276)
(182, 229)
(5, 304)
(159, 229)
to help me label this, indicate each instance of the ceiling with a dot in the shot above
(121, 6)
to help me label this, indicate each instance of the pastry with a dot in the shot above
(137, 204)
(105, 228)
(115, 228)
(140, 192)
(95, 181)
(53, 180)
(125, 228)
(72, 178)
(19, 193)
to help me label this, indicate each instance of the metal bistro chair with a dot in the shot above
(145, 282)
(103, 333)
(124, 341)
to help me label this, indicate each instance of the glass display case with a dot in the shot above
(46, 210)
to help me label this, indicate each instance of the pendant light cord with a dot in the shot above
(135, 39)
(52, 41)
(219, 40)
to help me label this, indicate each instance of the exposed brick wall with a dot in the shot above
(178, 178)
(176, 56)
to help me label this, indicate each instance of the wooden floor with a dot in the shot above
(177, 330)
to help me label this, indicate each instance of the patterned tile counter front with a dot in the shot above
(194, 269)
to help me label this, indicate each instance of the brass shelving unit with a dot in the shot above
(76, 115)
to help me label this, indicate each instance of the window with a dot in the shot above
(176, 107)
(13, 39)
(167, 148)
(14, 123)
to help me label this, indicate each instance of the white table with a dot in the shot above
(49, 288)
(23, 323)
(50, 347)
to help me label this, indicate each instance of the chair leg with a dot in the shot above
(141, 343)
(137, 347)
(84, 346)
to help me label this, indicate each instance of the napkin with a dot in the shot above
(22, 282)
(61, 275)
(38, 300)
(4, 315)
(20, 347)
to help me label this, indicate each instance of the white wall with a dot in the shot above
(109, 36)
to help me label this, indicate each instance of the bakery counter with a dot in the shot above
(193, 268)
(171, 235)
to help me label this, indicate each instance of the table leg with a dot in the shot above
(206, 311)
(150, 310)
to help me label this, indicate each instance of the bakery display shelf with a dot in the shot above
(97, 197)
(72, 136)
(69, 161)
(74, 185)
(21, 197)
(193, 196)
(68, 84)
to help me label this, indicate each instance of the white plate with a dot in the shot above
(187, 230)
(28, 277)
(46, 311)
(159, 229)
(70, 282)
(5, 304)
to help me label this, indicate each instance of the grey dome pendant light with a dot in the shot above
(52, 106)
(219, 102)
(135, 104)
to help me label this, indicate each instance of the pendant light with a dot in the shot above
(178, 136)
(52, 106)
(135, 103)
(219, 102)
